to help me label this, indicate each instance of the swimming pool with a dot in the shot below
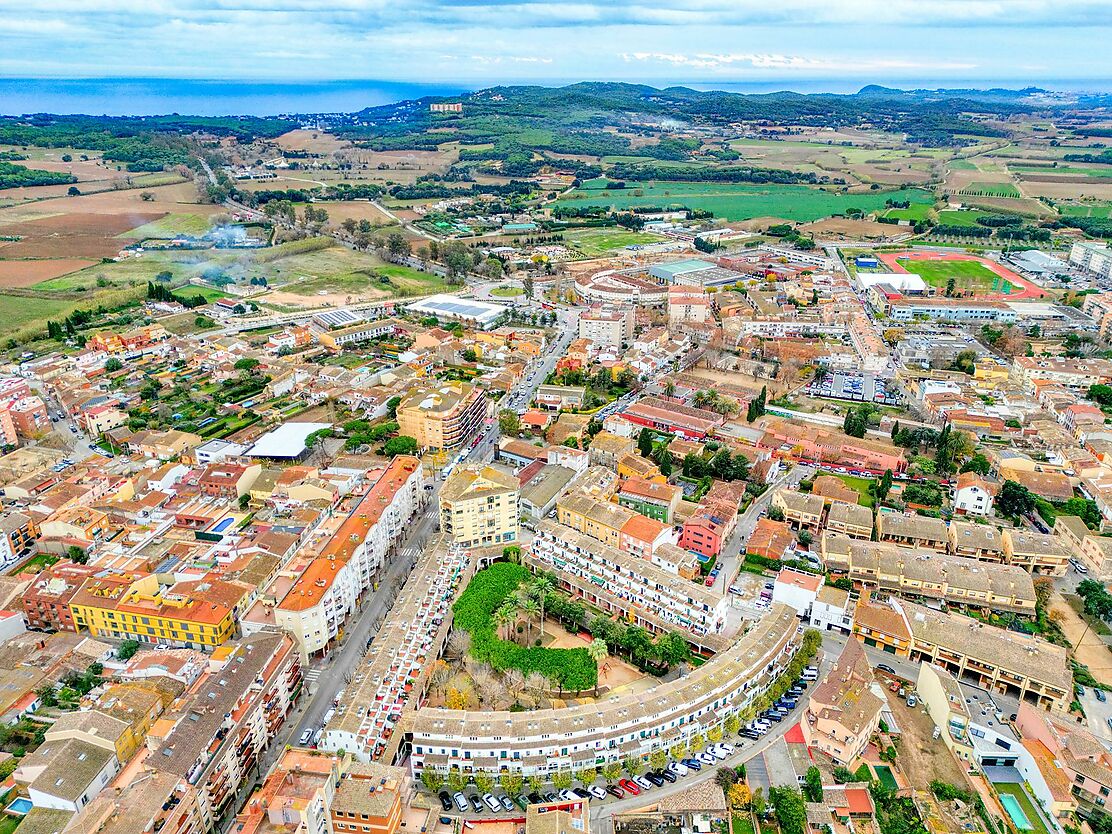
(885, 777)
(19, 807)
(224, 524)
(1015, 811)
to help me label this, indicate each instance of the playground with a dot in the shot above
(973, 275)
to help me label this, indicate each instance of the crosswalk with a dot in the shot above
(313, 675)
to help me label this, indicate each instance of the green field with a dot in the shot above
(507, 292)
(964, 217)
(339, 270)
(596, 242)
(1102, 173)
(962, 165)
(861, 485)
(731, 201)
(171, 226)
(991, 189)
(967, 275)
(1086, 210)
(916, 211)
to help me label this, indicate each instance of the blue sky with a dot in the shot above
(468, 42)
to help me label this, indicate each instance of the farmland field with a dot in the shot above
(991, 189)
(1086, 210)
(29, 272)
(596, 242)
(960, 217)
(731, 201)
(916, 211)
(171, 226)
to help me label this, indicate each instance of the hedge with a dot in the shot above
(573, 668)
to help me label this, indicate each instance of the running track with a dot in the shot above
(1027, 290)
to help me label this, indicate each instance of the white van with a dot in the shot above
(328, 716)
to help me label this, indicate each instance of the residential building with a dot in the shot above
(915, 531)
(1081, 756)
(976, 541)
(558, 397)
(1036, 553)
(66, 775)
(843, 711)
(929, 574)
(973, 495)
(441, 415)
(18, 533)
(1092, 257)
(802, 511)
(370, 798)
(648, 498)
(851, 520)
(624, 584)
(46, 602)
(705, 531)
(607, 326)
(628, 724)
(479, 507)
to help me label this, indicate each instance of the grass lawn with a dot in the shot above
(1020, 795)
(596, 242)
(741, 201)
(37, 562)
(742, 824)
(1086, 210)
(507, 292)
(991, 189)
(861, 485)
(963, 217)
(968, 275)
(8, 824)
(916, 211)
(171, 226)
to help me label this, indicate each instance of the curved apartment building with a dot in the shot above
(595, 734)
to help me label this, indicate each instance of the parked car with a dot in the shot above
(884, 667)
(596, 792)
(707, 759)
(506, 802)
(693, 763)
(654, 778)
(305, 738)
(476, 803)
(630, 787)
(679, 768)
(461, 802)
(445, 800)
(1100, 695)
(521, 802)
(615, 791)
(666, 775)
(568, 795)
(643, 783)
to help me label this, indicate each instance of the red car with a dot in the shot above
(631, 787)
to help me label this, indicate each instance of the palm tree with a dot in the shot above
(531, 609)
(542, 586)
(598, 652)
(504, 616)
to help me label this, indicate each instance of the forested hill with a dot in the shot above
(927, 116)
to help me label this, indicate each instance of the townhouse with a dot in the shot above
(627, 725)
(843, 711)
(1035, 552)
(650, 499)
(930, 575)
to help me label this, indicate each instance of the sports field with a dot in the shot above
(914, 212)
(739, 201)
(596, 242)
(963, 217)
(972, 274)
(1086, 210)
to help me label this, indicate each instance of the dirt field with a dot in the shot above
(840, 227)
(925, 757)
(28, 273)
(88, 235)
(311, 141)
(1092, 651)
(613, 673)
(1085, 187)
(340, 210)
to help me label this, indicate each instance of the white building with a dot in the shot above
(1095, 258)
(607, 326)
(973, 495)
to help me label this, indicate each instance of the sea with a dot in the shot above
(226, 97)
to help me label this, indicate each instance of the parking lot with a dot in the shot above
(855, 387)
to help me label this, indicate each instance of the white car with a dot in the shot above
(643, 783)
(718, 754)
(568, 795)
(596, 792)
(707, 759)
(679, 768)
(492, 803)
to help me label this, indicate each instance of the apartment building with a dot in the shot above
(1036, 553)
(801, 441)
(843, 711)
(906, 308)
(627, 725)
(1008, 662)
(46, 602)
(196, 615)
(337, 340)
(1077, 374)
(929, 575)
(607, 326)
(479, 507)
(441, 415)
(321, 598)
(369, 799)
(705, 531)
(18, 532)
(144, 800)
(224, 724)
(1093, 551)
(1077, 753)
(635, 588)
(296, 796)
(1093, 257)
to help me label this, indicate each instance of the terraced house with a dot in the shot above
(595, 734)
(654, 500)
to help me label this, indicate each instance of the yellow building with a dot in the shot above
(196, 615)
(989, 370)
(442, 415)
(479, 507)
(596, 518)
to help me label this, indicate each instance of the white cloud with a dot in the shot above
(703, 60)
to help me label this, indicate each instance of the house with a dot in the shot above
(649, 498)
(973, 495)
(1036, 553)
(831, 488)
(770, 539)
(852, 520)
(976, 541)
(907, 530)
(843, 711)
(801, 510)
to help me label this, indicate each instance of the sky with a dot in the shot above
(1058, 43)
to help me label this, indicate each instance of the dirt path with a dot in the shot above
(1092, 652)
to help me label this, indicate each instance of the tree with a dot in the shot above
(561, 779)
(673, 648)
(978, 463)
(536, 783)
(790, 810)
(1014, 500)
(725, 777)
(756, 407)
(397, 246)
(400, 445)
(77, 555)
(469, 355)
(658, 759)
(739, 796)
(1100, 394)
(247, 363)
(678, 750)
(511, 783)
(113, 365)
(633, 766)
(483, 781)
(541, 588)
(127, 649)
(509, 423)
(456, 780)
(812, 784)
(611, 771)
(645, 443)
(432, 779)
(244, 500)
(598, 652)
(697, 742)
(757, 803)
(586, 776)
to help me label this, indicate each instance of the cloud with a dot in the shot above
(790, 62)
